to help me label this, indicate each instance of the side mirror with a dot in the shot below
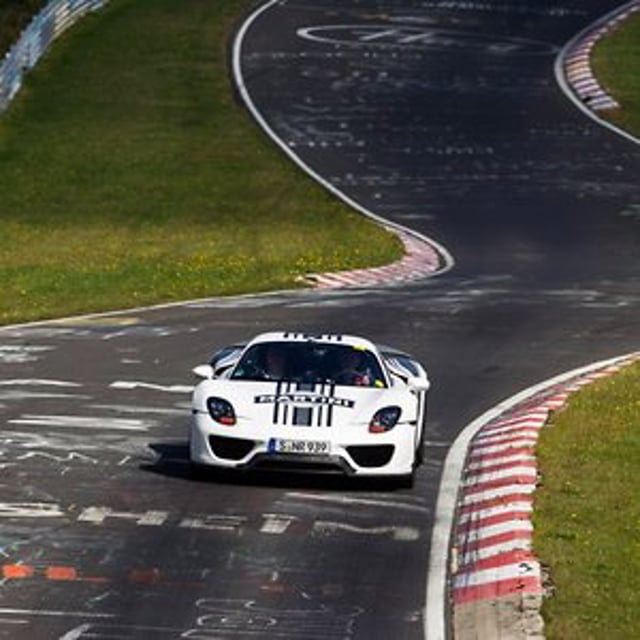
(204, 371)
(418, 383)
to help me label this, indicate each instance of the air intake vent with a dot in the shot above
(230, 448)
(371, 456)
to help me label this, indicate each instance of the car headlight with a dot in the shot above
(385, 419)
(221, 411)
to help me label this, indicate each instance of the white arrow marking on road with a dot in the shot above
(78, 632)
(49, 456)
(97, 515)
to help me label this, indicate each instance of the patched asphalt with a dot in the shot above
(444, 117)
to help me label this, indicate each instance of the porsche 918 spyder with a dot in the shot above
(329, 403)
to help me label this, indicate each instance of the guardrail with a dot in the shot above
(55, 18)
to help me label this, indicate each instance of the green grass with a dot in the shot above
(616, 64)
(130, 175)
(587, 512)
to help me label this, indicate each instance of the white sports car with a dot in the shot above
(323, 403)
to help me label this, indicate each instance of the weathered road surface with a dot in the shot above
(441, 116)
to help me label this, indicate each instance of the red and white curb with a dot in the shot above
(576, 66)
(420, 261)
(492, 533)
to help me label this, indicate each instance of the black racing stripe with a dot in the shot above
(332, 393)
(276, 404)
(285, 408)
(320, 409)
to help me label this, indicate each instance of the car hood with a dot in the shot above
(301, 404)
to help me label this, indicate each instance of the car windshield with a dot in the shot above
(310, 362)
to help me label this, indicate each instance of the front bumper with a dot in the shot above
(388, 454)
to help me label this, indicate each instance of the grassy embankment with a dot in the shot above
(130, 175)
(616, 63)
(587, 513)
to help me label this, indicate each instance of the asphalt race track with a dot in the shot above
(442, 116)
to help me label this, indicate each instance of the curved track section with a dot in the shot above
(433, 258)
(441, 116)
(441, 261)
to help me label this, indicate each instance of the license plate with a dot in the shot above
(302, 447)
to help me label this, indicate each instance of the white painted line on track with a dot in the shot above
(83, 422)
(37, 382)
(142, 410)
(346, 500)
(132, 384)
(58, 614)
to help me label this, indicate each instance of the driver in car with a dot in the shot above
(352, 369)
